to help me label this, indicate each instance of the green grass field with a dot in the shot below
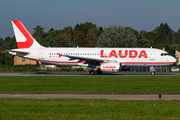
(78, 109)
(91, 84)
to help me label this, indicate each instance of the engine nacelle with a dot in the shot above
(110, 66)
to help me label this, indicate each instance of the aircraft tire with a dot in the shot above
(99, 72)
(92, 72)
(152, 73)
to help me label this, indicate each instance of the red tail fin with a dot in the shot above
(23, 38)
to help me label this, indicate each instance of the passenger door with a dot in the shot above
(152, 55)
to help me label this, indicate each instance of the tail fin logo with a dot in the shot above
(23, 38)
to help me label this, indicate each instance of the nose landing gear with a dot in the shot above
(152, 70)
(153, 73)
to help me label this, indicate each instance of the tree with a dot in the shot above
(5, 60)
(62, 40)
(50, 30)
(82, 41)
(39, 34)
(143, 43)
(1, 43)
(117, 37)
(169, 36)
(84, 27)
(72, 34)
(100, 29)
(7, 39)
(143, 33)
(165, 32)
(92, 36)
(135, 32)
(49, 39)
(12, 43)
(68, 31)
(2, 56)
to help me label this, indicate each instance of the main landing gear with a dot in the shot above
(92, 72)
(99, 72)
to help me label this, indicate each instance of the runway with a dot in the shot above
(94, 96)
(84, 74)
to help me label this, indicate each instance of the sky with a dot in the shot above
(137, 14)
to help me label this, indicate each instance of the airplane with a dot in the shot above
(100, 59)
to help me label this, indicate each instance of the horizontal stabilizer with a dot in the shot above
(18, 53)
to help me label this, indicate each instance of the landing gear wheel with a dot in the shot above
(99, 72)
(152, 73)
(92, 72)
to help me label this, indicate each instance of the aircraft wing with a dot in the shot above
(87, 60)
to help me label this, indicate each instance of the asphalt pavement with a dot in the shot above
(84, 74)
(95, 96)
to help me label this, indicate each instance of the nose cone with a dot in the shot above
(173, 60)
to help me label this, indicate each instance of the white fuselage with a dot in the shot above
(124, 56)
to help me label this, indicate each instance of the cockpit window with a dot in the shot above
(165, 54)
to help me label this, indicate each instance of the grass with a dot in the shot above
(91, 84)
(78, 109)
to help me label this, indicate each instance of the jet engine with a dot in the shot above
(110, 66)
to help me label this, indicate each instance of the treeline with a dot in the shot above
(89, 35)
(82, 35)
